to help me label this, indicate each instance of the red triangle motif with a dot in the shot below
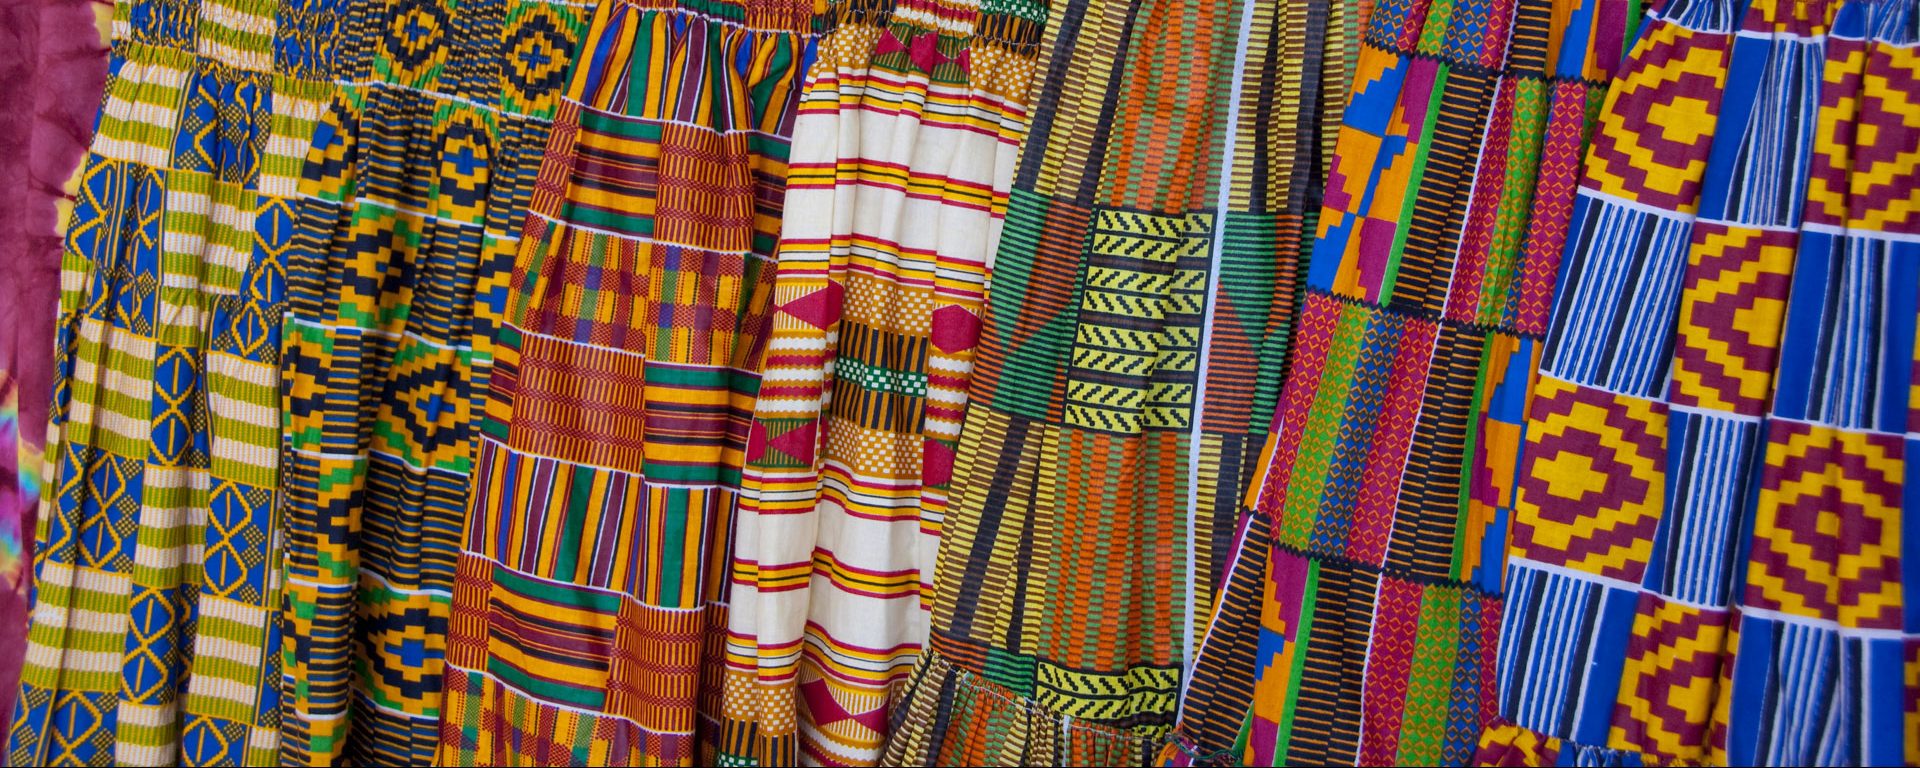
(820, 308)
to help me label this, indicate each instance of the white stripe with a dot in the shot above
(1223, 193)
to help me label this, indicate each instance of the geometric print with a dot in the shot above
(1828, 528)
(1731, 318)
(1390, 481)
(1130, 356)
(622, 342)
(157, 571)
(879, 280)
(1707, 565)
(400, 236)
(1592, 491)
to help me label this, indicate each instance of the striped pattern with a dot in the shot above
(588, 601)
(1717, 484)
(903, 153)
(1131, 348)
(159, 554)
(398, 250)
(1357, 623)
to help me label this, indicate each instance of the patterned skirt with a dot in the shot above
(1358, 614)
(1131, 351)
(400, 245)
(1719, 492)
(158, 555)
(903, 153)
(588, 609)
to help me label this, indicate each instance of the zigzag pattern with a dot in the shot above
(1594, 487)
(1829, 500)
(1732, 312)
(1676, 80)
(1670, 683)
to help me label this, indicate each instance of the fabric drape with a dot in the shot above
(1135, 336)
(903, 154)
(589, 615)
(397, 253)
(1712, 557)
(155, 638)
(1358, 621)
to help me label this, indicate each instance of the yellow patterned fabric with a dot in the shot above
(589, 605)
(411, 204)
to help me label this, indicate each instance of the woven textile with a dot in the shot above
(398, 255)
(589, 616)
(1712, 555)
(1356, 621)
(1130, 355)
(158, 555)
(903, 153)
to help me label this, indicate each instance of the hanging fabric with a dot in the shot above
(1133, 345)
(903, 153)
(589, 614)
(1712, 555)
(156, 634)
(411, 201)
(1357, 623)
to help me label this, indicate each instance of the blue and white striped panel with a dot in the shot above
(1703, 15)
(1563, 646)
(1770, 104)
(1839, 361)
(1812, 695)
(1709, 507)
(1619, 293)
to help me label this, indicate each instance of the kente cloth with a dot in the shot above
(1713, 555)
(1131, 354)
(589, 612)
(157, 560)
(903, 152)
(1359, 613)
(398, 253)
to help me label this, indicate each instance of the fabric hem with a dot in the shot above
(950, 715)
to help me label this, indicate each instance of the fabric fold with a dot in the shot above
(1712, 548)
(903, 154)
(1135, 336)
(589, 604)
(1357, 625)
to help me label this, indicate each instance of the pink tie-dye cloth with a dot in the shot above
(52, 68)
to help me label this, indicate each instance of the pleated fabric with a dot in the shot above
(589, 614)
(1713, 547)
(903, 155)
(398, 251)
(1358, 618)
(157, 563)
(1132, 347)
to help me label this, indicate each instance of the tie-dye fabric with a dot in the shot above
(1357, 620)
(589, 612)
(1131, 353)
(903, 152)
(1714, 546)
